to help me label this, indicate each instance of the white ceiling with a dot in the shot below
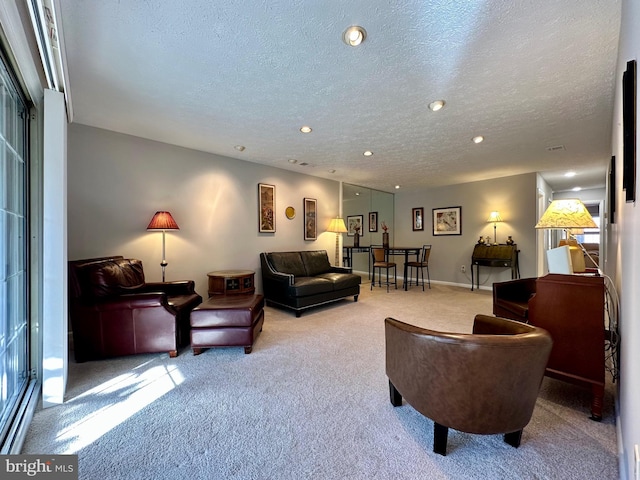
(209, 75)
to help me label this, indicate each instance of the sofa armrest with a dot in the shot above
(269, 273)
(180, 287)
(132, 301)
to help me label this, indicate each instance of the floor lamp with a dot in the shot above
(163, 221)
(569, 214)
(337, 226)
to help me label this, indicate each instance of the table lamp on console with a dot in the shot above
(572, 216)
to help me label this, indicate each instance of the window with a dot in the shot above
(14, 238)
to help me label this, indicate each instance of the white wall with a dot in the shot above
(624, 256)
(514, 197)
(117, 182)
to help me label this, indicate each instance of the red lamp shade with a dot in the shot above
(162, 221)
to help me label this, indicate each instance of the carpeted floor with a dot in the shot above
(310, 402)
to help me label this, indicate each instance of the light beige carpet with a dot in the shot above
(310, 402)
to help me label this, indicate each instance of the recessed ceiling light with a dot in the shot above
(240, 148)
(570, 174)
(437, 105)
(354, 35)
(576, 189)
(397, 187)
(357, 194)
(305, 129)
(478, 139)
(367, 153)
(293, 160)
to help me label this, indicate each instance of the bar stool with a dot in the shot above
(380, 261)
(420, 265)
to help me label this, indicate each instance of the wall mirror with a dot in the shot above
(375, 207)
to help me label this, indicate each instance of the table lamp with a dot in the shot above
(569, 214)
(337, 226)
(494, 217)
(163, 221)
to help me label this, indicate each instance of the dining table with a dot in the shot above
(404, 251)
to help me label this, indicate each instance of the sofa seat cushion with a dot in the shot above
(521, 309)
(288, 262)
(304, 286)
(341, 281)
(316, 262)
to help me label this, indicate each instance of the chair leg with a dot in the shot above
(513, 438)
(429, 277)
(422, 273)
(440, 433)
(394, 395)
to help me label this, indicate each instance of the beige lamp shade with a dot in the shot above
(566, 213)
(337, 225)
(494, 217)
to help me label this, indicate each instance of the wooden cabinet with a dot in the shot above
(231, 282)
(571, 309)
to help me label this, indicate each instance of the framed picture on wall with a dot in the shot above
(447, 221)
(629, 131)
(354, 224)
(418, 218)
(310, 219)
(266, 208)
(373, 221)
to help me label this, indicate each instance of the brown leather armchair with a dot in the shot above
(114, 312)
(486, 382)
(511, 298)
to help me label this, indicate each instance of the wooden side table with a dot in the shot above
(231, 282)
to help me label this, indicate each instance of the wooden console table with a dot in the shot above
(231, 282)
(505, 256)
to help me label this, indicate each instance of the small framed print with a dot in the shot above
(418, 219)
(266, 208)
(310, 219)
(447, 221)
(354, 224)
(373, 221)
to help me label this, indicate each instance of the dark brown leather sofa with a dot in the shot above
(486, 382)
(114, 312)
(301, 280)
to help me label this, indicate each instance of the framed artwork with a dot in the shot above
(612, 190)
(373, 221)
(354, 223)
(310, 219)
(447, 221)
(266, 208)
(629, 131)
(418, 218)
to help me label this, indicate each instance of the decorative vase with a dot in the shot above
(385, 240)
(356, 239)
(481, 240)
(510, 240)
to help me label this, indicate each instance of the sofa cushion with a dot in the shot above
(304, 286)
(316, 262)
(341, 280)
(288, 262)
(116, 277)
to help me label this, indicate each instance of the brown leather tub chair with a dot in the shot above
(511, 298)
(486, 382)
(114, 312)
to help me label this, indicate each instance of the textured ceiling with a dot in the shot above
(211, 75)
